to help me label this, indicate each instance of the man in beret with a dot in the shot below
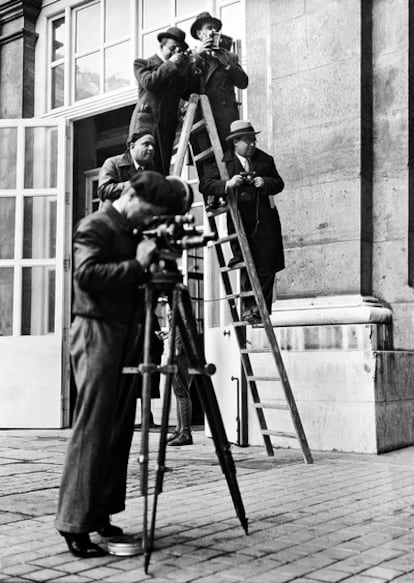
(163, 80)
(220, 74)
(110, 261)
(254, 177)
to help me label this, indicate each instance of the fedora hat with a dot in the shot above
(175, 33)
(201, 19)
(240, 128)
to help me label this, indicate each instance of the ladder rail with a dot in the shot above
(189, 128)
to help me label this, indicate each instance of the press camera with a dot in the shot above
(221, 41)
(248, 178)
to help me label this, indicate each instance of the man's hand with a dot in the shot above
(177, 58)
(223, 58)
(234, 182)
(258, 182)
(145, 252)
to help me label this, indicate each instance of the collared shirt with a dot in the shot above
(244, 162)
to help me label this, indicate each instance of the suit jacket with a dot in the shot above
(114, 176)
(260, 220)
(219, 86)
(161, 85)
(106, 274)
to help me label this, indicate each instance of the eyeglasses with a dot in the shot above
(248, 140)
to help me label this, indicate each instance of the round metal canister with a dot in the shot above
(124, 546)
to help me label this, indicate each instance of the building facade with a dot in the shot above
(331, 91)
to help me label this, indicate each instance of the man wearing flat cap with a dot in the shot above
(163, 80)
(111, 259)
(220, 74)
(254, 178)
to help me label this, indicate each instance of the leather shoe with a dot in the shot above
(109, 529)
(252, 316)
(80, 545)
(172, 436)
(182, 439)
(235, 260)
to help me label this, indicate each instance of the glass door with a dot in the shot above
(33, 268)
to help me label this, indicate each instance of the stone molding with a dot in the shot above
(12, 9)
(346, 309)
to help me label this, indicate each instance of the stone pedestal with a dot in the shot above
(353, 392)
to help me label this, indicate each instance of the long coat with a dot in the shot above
(161, 85)
(260, 220)
(218, 83)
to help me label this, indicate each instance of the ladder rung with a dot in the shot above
(279, 433)
(198, 125)
(225, 239)
(205, 154)
(261, 378)
(233, 267)
(278, 406)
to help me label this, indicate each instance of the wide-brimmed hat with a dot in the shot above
(240, 128)
(201, 19)
(175, 33)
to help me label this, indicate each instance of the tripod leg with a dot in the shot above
(159, 476)
(195, 355)
(146, 408)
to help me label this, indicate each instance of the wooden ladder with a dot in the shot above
(204, 130)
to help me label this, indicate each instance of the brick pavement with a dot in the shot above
(344, 518)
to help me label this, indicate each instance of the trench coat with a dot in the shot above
(161, 86)
(260, 220)
(218, 83)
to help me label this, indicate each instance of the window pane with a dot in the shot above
(150, 43)
(39, 227)
(40, 169)
(117, 19)
(38, 300)
(58, 74)
(117, 67)
(8, 149)
(87, 28)
(184, 7)
(58, 39)
(7, 210)
(231, 18)
(6, 301)
(87, 77)
(155, 13)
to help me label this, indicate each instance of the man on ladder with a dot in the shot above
(253, 175)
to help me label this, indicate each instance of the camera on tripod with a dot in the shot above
(248, 178)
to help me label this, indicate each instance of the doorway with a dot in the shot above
(96, 139)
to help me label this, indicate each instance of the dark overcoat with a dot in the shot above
(114, 176)
(260, 220)
(161, 85)
(218, 83)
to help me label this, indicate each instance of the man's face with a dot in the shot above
(206, 31)
(170, 48)
(142, 150)
(139, 212)
(245, 146)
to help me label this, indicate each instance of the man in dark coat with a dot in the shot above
(110, 262)
(220, 74)
(163, 80)
(260, 220)
(116, 171)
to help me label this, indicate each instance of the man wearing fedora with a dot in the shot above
(254, 177)
(220, 74)
(163, 80)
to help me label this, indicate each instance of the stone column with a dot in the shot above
(17, 55)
